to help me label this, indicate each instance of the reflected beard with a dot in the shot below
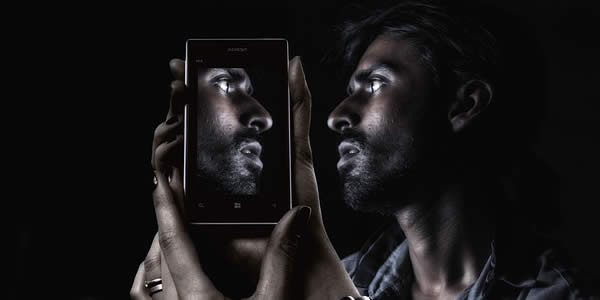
(226, 170)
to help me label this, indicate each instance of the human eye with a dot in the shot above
(224, 83)
(375, 83)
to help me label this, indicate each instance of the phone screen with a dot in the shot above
(237, 132)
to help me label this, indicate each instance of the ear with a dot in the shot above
(471, 99)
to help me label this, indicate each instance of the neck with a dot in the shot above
(448, 236)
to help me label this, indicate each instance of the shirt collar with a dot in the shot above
(384, 268)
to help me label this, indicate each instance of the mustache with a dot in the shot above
(245, 136)
(352, 136)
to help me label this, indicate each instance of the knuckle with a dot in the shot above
(135, 293)
(303, 152)
(177, 85)
(160, 151)
(152, 264)
(303, 100)
(168, 240)
(158, 130)
(160, 197)
(288, 247)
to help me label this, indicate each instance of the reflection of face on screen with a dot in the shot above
(230, 122)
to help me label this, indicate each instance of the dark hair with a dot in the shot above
(454, 48)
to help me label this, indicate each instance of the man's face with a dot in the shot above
(230, 121)
(389, 125)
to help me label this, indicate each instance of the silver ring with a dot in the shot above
(155, 289)
(151, 283)
(153, 286)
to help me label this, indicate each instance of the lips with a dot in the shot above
(347, 150)
(252, 150)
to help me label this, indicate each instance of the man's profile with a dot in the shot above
(413, 148)
(229, 123)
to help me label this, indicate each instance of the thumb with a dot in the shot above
(280, 258)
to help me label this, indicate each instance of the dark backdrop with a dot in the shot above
(93, 82)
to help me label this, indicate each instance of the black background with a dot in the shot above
(91, 83)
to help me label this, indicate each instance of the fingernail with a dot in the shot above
(301, 221)
(172, 120)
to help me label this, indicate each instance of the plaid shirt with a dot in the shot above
(382, 270)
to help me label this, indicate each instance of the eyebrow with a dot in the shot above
(236, 73)
(363, 75)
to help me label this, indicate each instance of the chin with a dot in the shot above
(384, 194)
(245, 185)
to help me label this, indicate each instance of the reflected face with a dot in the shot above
(230, 122)
(388, 126)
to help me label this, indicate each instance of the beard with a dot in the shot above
(381, 177)
(224, 168)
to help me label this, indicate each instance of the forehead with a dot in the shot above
(397, 52)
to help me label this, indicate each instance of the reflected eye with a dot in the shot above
(374, 85)
(224, 84)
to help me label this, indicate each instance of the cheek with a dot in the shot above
(218, 117)
(390, 136)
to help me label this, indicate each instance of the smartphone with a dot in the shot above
(237, 159)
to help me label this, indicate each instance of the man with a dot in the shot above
(411, 134)
(229, 123)
(422, 80)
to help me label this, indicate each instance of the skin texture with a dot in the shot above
(229, 120)
(389, 127)
(398, 157)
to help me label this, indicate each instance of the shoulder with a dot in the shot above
(544, 271)
(558, 278)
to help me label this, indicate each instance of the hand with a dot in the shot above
(323, 275)
(241, 254)
(172, 256)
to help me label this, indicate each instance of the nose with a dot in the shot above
(344, 116)
(254, 115)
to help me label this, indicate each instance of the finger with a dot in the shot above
(166, 132)
(152, 265)
(178, 98)
(169, 289)
(168, 153)
(138, 291)
(279, 261)
(178, 90)
(176, 185)
(176, 245)
(177, 67)
(305, 183)
(301, 105)
(152, 261)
